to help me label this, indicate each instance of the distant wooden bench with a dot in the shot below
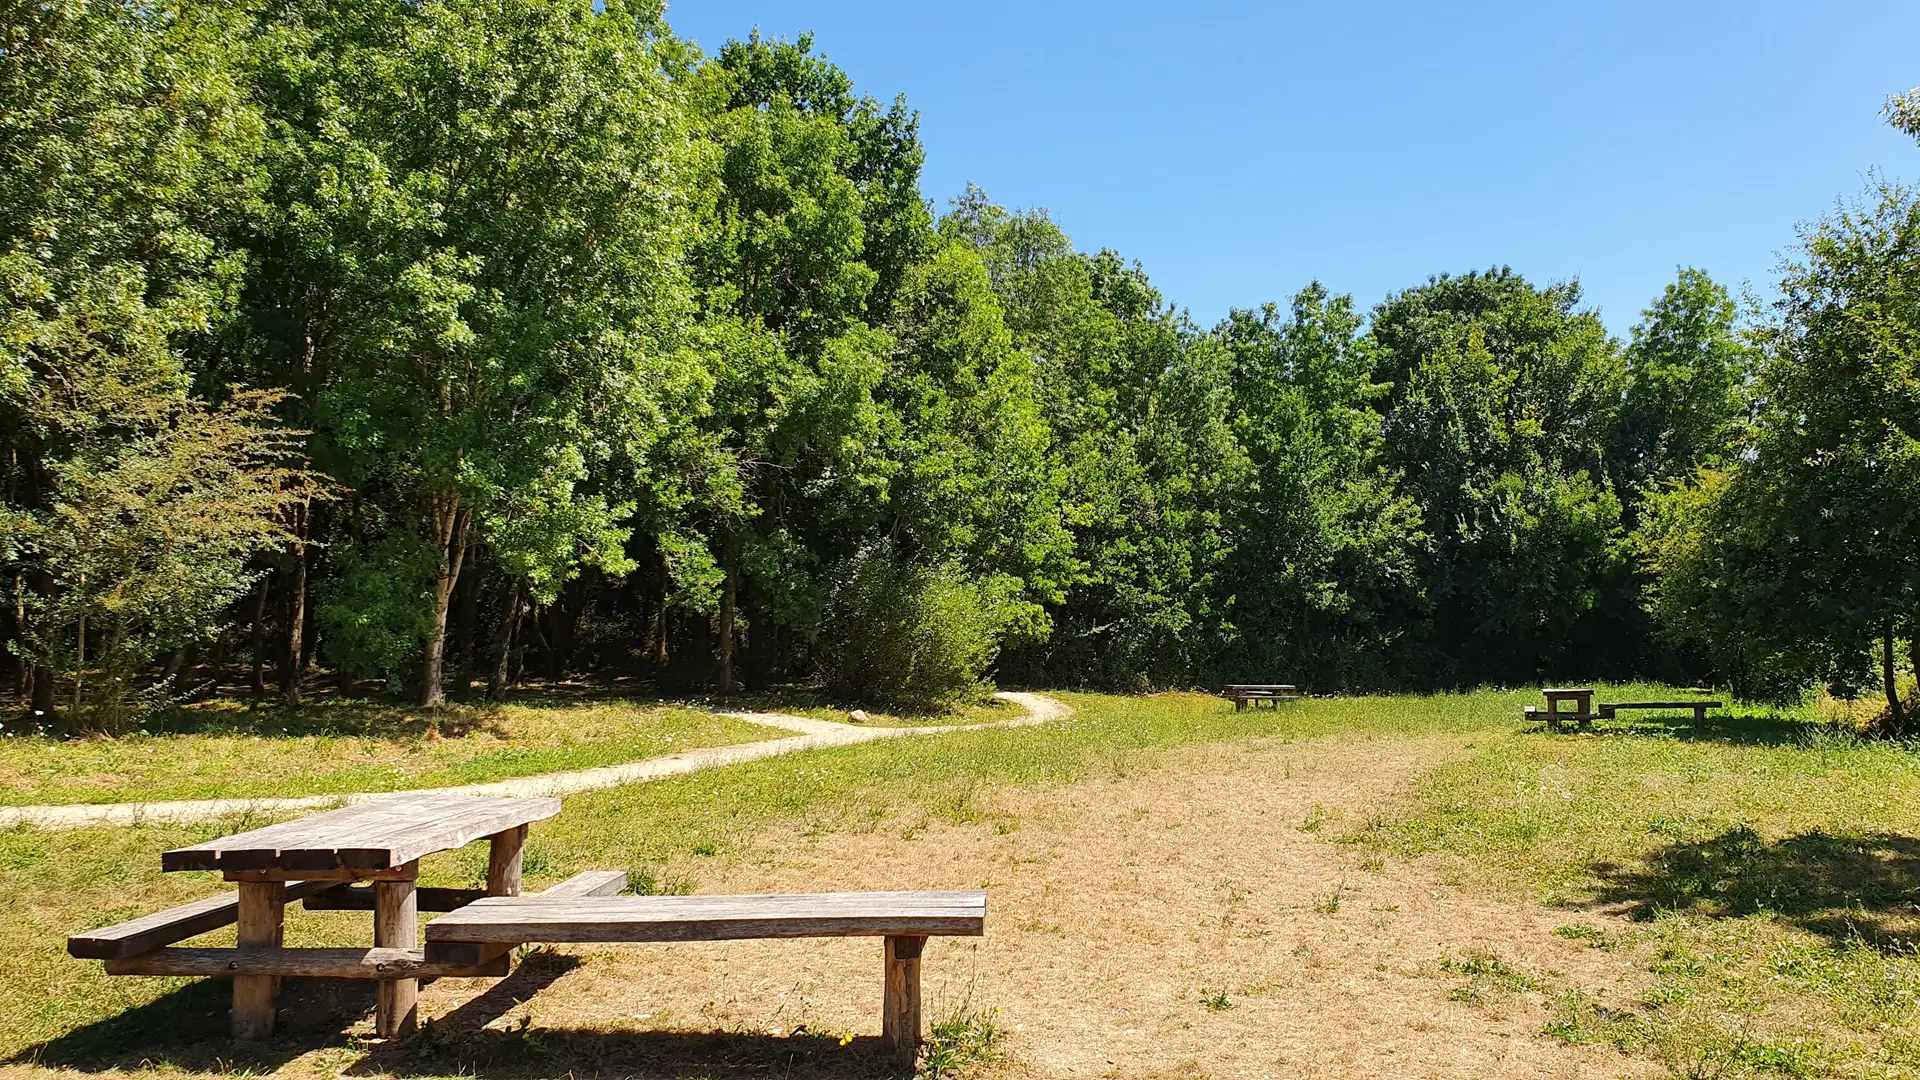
(1244, 694)
(1585, 715)
(1699, 708)
(487, 927)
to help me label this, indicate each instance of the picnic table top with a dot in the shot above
(1568, 690)
(379, 834)
(1259, 686)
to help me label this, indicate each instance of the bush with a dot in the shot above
(922, 636)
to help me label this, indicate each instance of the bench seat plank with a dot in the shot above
(1662, 705)
(545, 918)
(150, 932)
(378, 834)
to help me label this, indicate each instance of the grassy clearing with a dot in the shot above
(228, 751)
(1770, 870)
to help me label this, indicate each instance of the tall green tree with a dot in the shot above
(472, 275)
(1802, 556)
(1502, 400)
(129, 148)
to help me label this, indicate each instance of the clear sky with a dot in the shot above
(1240, 150)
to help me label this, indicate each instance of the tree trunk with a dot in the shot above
(729, 600)
(663, 583)
(450, 529)
(469, 627)
(23, 668)
(257, 682)
(1896, 714)
(503, 642)
(296, 613)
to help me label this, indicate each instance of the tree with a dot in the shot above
(128, 149)
(1502, 401)
(1322, 568)
(1811, 539)
(473, 265)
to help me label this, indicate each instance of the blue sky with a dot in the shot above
(1240, 150)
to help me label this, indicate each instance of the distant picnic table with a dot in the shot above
(1244, 694)
(1584, 712)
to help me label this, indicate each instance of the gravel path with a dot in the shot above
(810, 734)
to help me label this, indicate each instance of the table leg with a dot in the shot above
(396, 925)
(503, 862)
(261, 922)
(900, 1010)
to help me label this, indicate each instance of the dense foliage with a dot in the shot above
(454, 342)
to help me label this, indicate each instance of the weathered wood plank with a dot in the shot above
(396, 925)
(174, 924)
(376, 963)
(1663, 705)
(589, 883)
(260, 924)
(360, 898)
(709, 918)
(503, 861)
(372, 835)
(900, 1002)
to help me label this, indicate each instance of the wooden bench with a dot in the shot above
(1586, 715)
(904, 920)
(1244, 694)
(1699, 708)
(365, 858)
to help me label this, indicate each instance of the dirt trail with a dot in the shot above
(1118, 905)
(812, 734)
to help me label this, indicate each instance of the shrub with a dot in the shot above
(922, 636)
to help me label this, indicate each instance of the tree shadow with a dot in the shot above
(1844, 886)
(544, 1052)
(186, 1031)
(1734, 729)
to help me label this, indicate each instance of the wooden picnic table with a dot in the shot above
(1271, 693)
(379, 841)
(1582, 699)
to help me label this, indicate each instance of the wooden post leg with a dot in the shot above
(396, 925)
(503, 861)
(900, 1012)
(261, 918)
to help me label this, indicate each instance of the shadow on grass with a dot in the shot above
(543, 1052)
(1841, 885)
(1736, 729)
(186, 1032)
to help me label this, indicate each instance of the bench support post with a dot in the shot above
(900, 1011)
(261, 916)
(503, 861)
(396, 925)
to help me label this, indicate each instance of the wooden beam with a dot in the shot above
(475, 953)
(900, 1005)
(174, 924)
(503, 861)
(360, 898)
(261, 919)
(375, 963)
(396, 925)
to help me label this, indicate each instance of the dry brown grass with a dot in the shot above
(1118, 905)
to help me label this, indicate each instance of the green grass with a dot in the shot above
(227, 751)
(1773, 867)
(1770, 865)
